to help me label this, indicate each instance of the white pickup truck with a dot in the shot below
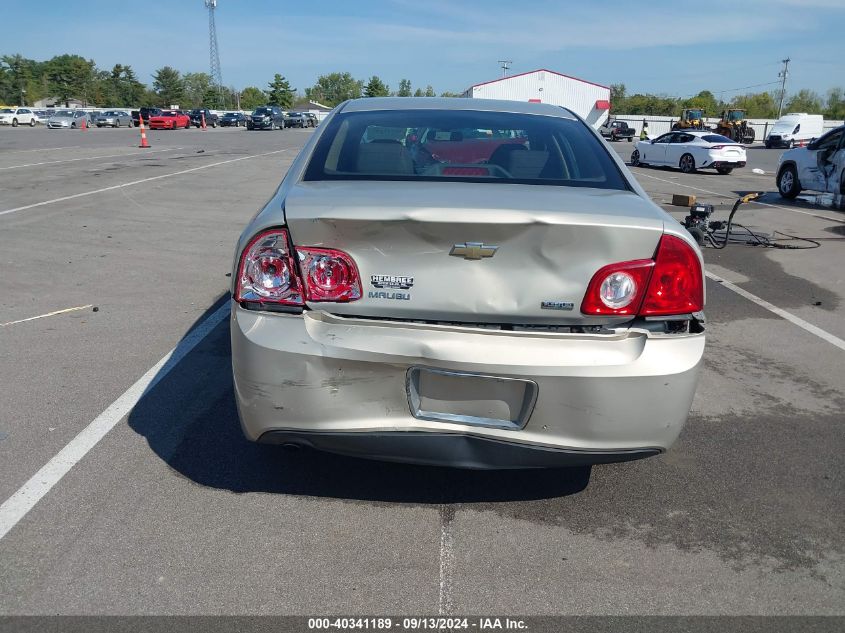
(817, 167)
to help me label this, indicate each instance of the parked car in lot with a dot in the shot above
(170, 120)
(295, 119)
(795, 128)
(529, 306)
(310, 119)
(615, 130)
(67, 119)
(114, 118)
(211, 119)
(148, 113)
(18, 116)
(266, 118)
(817, 167)
(92, 117)
(690, 150)
(233, 119)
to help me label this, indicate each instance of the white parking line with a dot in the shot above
(722, 195)
(809, 327)
(138, 182)
(24, 499)
(71, 160)
(39, 149)
(49, 314)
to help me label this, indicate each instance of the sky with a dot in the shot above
(726, 47)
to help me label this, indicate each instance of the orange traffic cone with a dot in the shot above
(84, 124)
(144, 143)
(203, 121)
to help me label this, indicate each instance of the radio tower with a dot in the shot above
(214, 54)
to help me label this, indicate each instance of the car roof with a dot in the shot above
(454, 103)
(696, 133)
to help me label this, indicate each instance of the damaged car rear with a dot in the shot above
(468, 283)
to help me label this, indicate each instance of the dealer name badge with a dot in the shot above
(394, 282)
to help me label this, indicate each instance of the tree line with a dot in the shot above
(64, 77)
(337, 87)
(759, 105)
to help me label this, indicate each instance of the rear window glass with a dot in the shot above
(462, 145)
(716, 138)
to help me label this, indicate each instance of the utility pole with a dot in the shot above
(783, 75)
(505, 64)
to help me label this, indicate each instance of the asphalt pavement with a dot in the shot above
(174, 512)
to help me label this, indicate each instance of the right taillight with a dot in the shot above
(669, 284)
(677, 282)
(617, 288)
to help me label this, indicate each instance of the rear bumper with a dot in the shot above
(342, 385)
(455, 450)
(723, 163)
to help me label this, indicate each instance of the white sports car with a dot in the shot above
(690, 150)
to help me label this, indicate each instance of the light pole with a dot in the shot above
(23, 92)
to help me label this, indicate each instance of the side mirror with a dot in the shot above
(812, 144)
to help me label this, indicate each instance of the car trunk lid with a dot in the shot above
(473, 252)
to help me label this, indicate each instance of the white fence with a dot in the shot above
(658, 125)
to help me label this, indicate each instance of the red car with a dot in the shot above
(170, 120)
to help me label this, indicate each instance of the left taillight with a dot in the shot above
(330, 275)
(268, 273)
(273, 271)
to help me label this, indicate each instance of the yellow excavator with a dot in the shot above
(733, 125)
(691, 119)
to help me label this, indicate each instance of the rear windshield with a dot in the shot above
(716, 138)
(462, 145)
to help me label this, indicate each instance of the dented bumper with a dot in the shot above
(351, 386)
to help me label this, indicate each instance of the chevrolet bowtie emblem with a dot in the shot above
(473, 250)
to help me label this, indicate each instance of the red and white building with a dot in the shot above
(589, 100)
